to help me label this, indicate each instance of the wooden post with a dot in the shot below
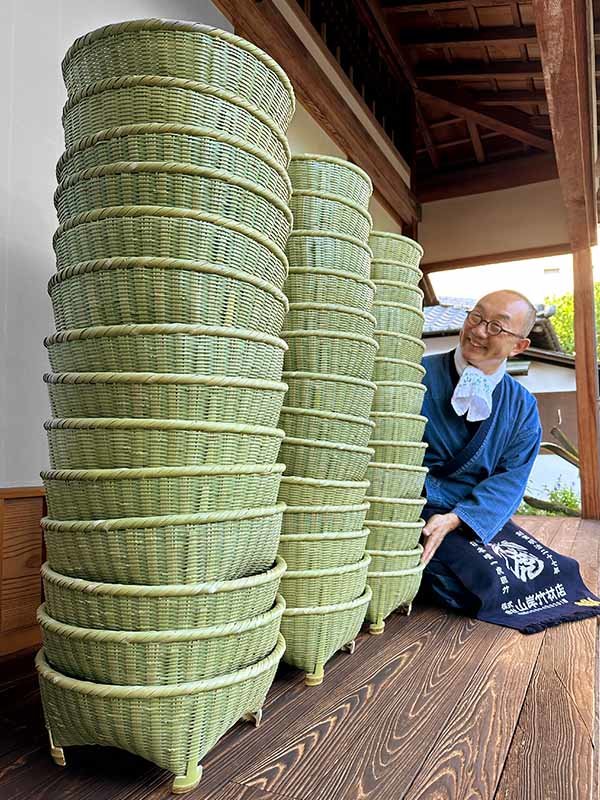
(586, 376)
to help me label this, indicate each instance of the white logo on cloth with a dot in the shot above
(519, 560)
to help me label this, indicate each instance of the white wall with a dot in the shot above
(34, 35)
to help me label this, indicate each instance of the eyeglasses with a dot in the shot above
(492, 327)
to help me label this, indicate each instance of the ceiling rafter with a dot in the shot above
(464, 37)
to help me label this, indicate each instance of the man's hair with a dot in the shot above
(531, 316)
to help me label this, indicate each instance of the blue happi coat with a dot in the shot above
(480, 470)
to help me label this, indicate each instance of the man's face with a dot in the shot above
(485, 351)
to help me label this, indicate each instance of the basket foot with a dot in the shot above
(377, 628)
(254, 716)
(185, 783)
(349, 647)
(405, 610)
(57, 753)
(315, 678)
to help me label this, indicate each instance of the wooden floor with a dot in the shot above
(439, 707)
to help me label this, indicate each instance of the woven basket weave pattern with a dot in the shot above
(313, 458)
(330, 352)
(314, 520)
(306, 285)
(393, 535)
(329, 213)
(302, 423)
(396, 247)
(397, 369)
(391, 591)
(332, 393)
(318, 250)
(322, 551)
(331, 175)
(389, 509)
(321, 587)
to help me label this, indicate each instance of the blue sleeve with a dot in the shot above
(493, 501)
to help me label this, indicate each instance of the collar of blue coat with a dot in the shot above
(473, 392)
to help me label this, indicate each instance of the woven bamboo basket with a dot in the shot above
(213, 398)
(140, 99)
(330, 213)
(399, 317)
(399, 292)
(182, 50)
(393, 344)
(397, 271)
(315, 520)
(332, 175)
(310, 285)
(144, 291)
(330, 352)
(399, 396)
(205, 189)
(132, 717)
(136, 607)
(184, 144)
(314, 458)
(395, 246)
(335, 393)
(330, 317)
(295, 491)
(106, 493)
(396, 451)
(144, 658)
(391, 591)
(323, 587)
(192, 548)
(163, 232)
(315, 551)
(309, 423)
(399, 427)
(109, 443)
(394, 535)
(391, 509)
(394, 560)
(325, 250)
(208, 350)
(397, 369)
(396, 480)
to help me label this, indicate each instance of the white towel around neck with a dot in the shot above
(473, 392)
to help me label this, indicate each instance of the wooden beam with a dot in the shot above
(427, 138)
(476, 140)
(586, 379)
(504, 257)
(465, 37)
(282, 29)
(438, 5)
(511, 97)
(474, 70)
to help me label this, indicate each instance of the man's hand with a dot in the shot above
(434, 531)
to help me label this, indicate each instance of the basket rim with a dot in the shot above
(397, 501)
(400, 414)
(325, 536)
(167, 520)
(329, 376)
(315, 412)
(419, 367)
(334, 198)
(337, 273)
(323, 333)
(295, 479)
(391, 553)
(340, 162)
(400, 285)
(398, 335)
(150, 423)
(327, 445)
(305, 611)
(399, 238)
(381, 523)
(344, 237)
(411, 384)
(325, 509)
(397, 573)
(166, 378)
(404, 306)
(393, 262)
(323, 573)
(335, 307)
(170, 690)
(399, 443)
(165, 589)
(145, 473)
(386, 465)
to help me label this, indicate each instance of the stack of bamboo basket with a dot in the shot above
(329, 365)
(396, 473)
(162, 618)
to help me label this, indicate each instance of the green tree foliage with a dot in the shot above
(563, 319)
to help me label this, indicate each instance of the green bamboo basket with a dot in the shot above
(205, 189)
(330, 317)
(399, 292)
(159, 658)
(178, 548)
(323, 587)
(317, 551)
(399, 396)
(140, 99)
(324, 250)
(110, 443)
(151, 491)
(145, 291)
(399, 452)
(185, 144)
(163, 232)
(396, 480)
(399, 317)
(330, 213)
(182, 50)
(335, 393)
(391, 591)
(394, 344)
(332, 175)
(295, 491)
(315, 520)
(310, 285)
(397, 271)
(394, 560)
(330, 352)
(395, 246)
(399, 427)
(143, 395)
(136, 607)
(132, 717)
(208, 350)
(397, 369)
(394, 535)
(309, 423)
(393, 509)
(315, 458)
